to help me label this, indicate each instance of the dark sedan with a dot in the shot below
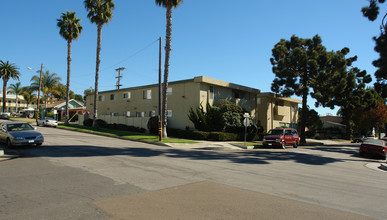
(373, 147)
(18, 133)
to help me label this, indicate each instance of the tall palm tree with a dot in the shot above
(100, 13)
(7, 71)
(49, 83)
(70, 29)
(28, 94)
(17, 90)
(168, 4)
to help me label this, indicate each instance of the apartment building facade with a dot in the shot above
(13, 103)
(142, 102)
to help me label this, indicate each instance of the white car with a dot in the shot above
(47, 121)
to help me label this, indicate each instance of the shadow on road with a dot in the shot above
(241, 157)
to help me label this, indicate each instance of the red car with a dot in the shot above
(373, 147)
(282, 137)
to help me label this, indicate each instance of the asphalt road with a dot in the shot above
(81, 176)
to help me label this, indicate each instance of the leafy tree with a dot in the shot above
(7, 70)
(224, 116)
(313, 123)
(70, 29)
(378, 115)
(371, 12)
(28, 94)
(342, 85)
(296, 63)
(168, 4)
(17, 90)
(100, 12)
(78, 97)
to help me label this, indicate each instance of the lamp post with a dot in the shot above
(40, 85)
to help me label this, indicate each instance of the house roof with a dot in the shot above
(273, 95)
(73, 104)
(198, 79)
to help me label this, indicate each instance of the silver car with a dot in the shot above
(47, 121)
(18, 133)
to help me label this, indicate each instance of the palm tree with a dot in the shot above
(28, 94)
(49, 83)
(15, 89)
(70, 29)
(7, 71)
(168, 4)
(100, 12)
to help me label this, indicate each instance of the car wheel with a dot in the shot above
(9, 144)
(39, 144)
(295, 144)
(283, 145)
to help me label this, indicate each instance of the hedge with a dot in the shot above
(121, 127)
(212, 136)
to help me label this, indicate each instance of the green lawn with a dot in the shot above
(126, 134)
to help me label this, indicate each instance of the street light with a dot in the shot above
(40, 85)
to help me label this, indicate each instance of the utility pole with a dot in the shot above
(119, 76)
(160, 111)
(40, 85)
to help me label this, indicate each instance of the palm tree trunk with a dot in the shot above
(98, 61)
(4, 94)
(168, 39)
(68, 81)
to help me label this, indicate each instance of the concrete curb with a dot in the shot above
(383, 166)
(118, 137)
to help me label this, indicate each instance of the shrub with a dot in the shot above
(88, 122)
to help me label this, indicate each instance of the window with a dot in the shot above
(152, 113)
(288, 132)
(212, 92)
(113, 96)
(101, 98)
(169, 91)
(147, 94)
(140, 114)
(128, 114)
(114, 113)
(127, 95)
(169, 113)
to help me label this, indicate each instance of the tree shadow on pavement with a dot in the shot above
(241, 157)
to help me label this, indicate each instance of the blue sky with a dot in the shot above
(227, 40)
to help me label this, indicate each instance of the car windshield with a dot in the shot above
(276, 132)
(19, 127)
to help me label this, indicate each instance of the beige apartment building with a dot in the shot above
(142, 102)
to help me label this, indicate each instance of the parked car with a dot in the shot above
(373, 147)
(359, 139)
(282, 137)
(47, 121)
(19, 133)
(4, 116)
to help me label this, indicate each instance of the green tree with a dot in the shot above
(49, 84)
(168, 4)
(28, 94)
(371, 12)
(296, 63)
(87, 92)
(313, 123)
(70, 29)
(100, 12)
(342, 85)
(7, 70)
(17, 90)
